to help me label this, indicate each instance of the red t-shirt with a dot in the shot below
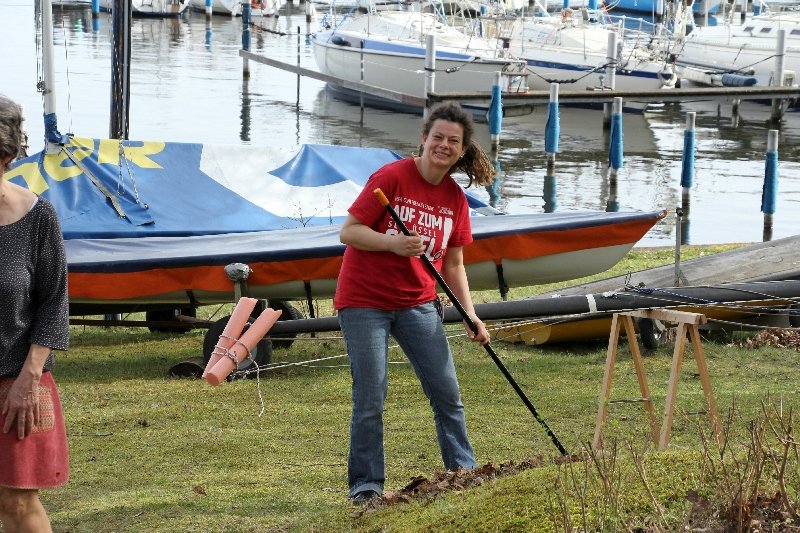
(438, 213)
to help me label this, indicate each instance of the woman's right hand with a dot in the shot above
(407, 245)
(22, 406)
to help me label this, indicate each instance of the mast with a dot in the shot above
(53, 139)
(120, 69)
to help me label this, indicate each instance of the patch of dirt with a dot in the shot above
(421, 488)
(778, 338)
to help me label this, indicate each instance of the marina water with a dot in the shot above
(187, 86)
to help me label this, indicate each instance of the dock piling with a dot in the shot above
(770, 189)
(778, 74)
(210, 8)
(687, 162)
(552, 129)
(496, 111)
(298, 66)
(615, 139)
(678, 242)
(245, 38)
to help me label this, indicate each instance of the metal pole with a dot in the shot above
(430, 68)
(778, 74)
(678, 216)
(120, 69)
(610, 74)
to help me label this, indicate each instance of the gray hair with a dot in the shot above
(13, 140)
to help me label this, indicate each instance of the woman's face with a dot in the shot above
(444, 144)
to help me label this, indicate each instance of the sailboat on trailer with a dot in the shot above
(151, 225)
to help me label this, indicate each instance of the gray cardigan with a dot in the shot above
(33, 288)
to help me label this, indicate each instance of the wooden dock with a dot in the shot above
(766, 261)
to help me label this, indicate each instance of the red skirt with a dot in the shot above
(40, 460)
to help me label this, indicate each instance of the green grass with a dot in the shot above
(149, 453)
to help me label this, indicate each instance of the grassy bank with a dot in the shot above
(151, 453)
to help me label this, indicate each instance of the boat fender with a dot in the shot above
(340, 41)
(667, 77)
(737, 80)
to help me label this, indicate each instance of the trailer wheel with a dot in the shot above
(170, 315)
(262, 353)
(288, 312)
(651, 332)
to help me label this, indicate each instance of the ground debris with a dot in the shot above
(778, 338)
(421, 488)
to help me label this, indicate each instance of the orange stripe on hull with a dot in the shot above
(520, 246)
(541, 243)
(122, 285)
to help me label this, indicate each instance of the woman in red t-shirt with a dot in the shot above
(384, 289)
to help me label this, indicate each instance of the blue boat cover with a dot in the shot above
(104, 188)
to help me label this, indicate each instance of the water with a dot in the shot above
(187, 85)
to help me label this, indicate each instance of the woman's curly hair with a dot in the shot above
(474, 163)
(13, 140)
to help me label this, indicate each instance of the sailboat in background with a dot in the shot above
(233, 8)
(151, 8)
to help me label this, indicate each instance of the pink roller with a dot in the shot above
(245, 345)
(233, 329)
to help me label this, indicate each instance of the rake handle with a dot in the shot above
(463, 312)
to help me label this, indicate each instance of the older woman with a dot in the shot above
(34, 319)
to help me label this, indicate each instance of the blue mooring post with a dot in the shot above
(95, 8)
(770, 191)
(552, 129)
(245, 38)
(210, 8)
(687, 162)
(549, 195)
(496, 111)
(615, 140)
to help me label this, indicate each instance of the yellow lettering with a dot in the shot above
(136, 154)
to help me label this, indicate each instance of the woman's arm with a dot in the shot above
(455, 276)
(361, 236)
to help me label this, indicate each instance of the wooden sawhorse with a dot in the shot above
(686, 322)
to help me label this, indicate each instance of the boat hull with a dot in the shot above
(402, 68)
(107, 275)
(751, 46)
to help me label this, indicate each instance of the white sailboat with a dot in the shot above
(574, 52)
(392, 45)
(749, 48)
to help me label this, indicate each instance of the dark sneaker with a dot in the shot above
(364, 497)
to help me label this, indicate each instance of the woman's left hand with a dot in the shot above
(483, 334)
(22, 405)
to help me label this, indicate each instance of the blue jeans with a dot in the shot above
(420, 334)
